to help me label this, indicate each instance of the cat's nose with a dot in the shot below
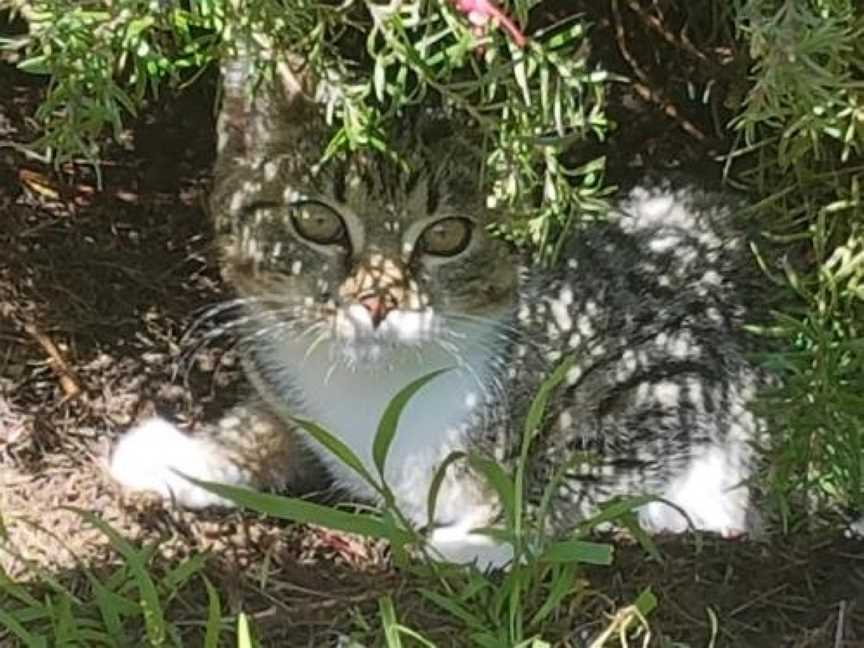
(378, 305)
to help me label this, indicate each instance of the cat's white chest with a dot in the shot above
(349, 401)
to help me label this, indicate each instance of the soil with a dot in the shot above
(101, 280)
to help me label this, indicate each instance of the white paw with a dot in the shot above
(855, 530)
(711, 494)
(148, 458)
(457, 544)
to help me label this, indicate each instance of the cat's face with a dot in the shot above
(362, 250)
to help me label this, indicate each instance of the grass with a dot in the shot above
(494, 610)
(127, 606)
(798, 150)
(517, 608)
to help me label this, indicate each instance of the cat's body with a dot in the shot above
(359, 277)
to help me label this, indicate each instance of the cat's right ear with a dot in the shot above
(258, 111)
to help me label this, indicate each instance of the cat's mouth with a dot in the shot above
(363, 340)
(355, 326)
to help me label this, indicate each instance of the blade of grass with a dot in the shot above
(213, 628)
(389, 422)
(154, 620)
(578, 551)
(298, 510)
(12, 625)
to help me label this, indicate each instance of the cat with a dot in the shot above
(359, 275)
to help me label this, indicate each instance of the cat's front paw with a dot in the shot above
(151, 456)
(458, 545)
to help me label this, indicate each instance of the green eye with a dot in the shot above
(446, 237)
(318, 223)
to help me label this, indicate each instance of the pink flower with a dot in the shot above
(480, 12)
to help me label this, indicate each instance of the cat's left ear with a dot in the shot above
(259, 109)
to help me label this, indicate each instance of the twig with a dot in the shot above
(68, 381)
(642, 86)
(841, 625)
(757, 599)
(655, 24)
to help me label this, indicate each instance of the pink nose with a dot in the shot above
(378, 306)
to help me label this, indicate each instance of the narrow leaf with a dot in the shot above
(297, 510)
(13, 626)
(435, 486)
(562, 585)
(214, 616)
(337, 448)
(501, 482)
(154, 620)
(244, 634)
(451, 606)
(388, 622)
(390, 419)
(568, 551)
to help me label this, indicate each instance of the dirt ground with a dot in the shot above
(98, 288)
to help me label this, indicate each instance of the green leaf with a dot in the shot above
(577, 551)
(12, 624)
(112, 608)
(178, 576)
(389, 422)
(631, 522)
(501, 482)
(213, 627)
(486, 640)
(379, 79)
(562, 585)
(339, 449)
(244, 633)
(297, 510)
(453, 607)
(435, 486)
(388, 622)
(35, 65)
(15, 590)
(64, 626)
(646, 602)
(154, 621)
(613, 512)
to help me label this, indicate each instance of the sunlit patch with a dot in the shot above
(560, 310)
(271, 169)
(291, 195)
(237, 201)
(667, 393)
(657, 206)
(584, 326)
(565, 420)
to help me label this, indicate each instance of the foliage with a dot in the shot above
(106, 59)
(495, 611)
(124, 608)
(801, 138)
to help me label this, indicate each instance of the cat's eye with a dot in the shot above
(446, 237)
(318, 223)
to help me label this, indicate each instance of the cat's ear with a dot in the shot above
(257, 109)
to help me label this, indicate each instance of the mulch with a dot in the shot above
(99, 284)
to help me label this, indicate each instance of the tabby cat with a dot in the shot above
(360, 275)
